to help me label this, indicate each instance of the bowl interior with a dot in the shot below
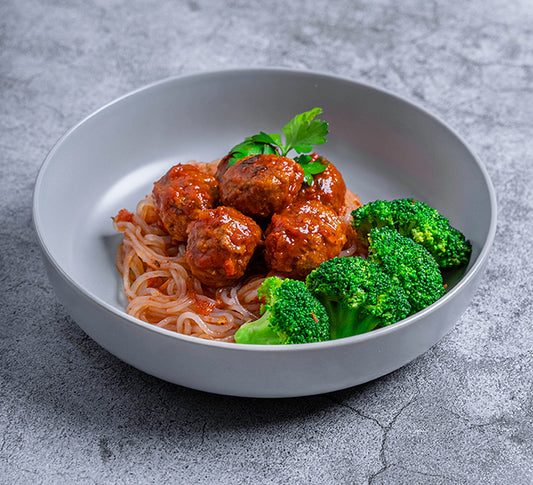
(384, 147)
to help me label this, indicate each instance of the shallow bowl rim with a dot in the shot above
(471, 273)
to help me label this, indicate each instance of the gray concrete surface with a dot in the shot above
(460, 413)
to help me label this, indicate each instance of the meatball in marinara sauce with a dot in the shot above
(181, 194)
(220, 245)
(301, 237)
(222, 166)
(328, 186)
(261, 185)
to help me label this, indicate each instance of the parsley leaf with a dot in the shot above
(249, 147)
(254, 145)
(301, 133)
(311, 167)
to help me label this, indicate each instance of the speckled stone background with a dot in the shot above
(461, 413)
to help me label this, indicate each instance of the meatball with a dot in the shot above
(222, 166)
(261, 185)
(328, 187)
(220, 245)
(181, 194)
(301, 237)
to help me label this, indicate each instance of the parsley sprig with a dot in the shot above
(301, 133)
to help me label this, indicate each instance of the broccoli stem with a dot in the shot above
(258, 332)
(345, 322)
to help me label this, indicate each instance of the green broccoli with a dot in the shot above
(420, 222)
(291, 315)
(357, 295)
(410, 264)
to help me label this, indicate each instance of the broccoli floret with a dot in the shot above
(291, 315)
(420, 222)
(410, 264)
(357, 295)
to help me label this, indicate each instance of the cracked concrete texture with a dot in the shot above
(460, 413)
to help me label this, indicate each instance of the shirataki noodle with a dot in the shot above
(162, 291)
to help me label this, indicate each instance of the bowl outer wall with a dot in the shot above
(266, 372)
(240, 370)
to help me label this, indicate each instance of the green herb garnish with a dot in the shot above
(301, 133)
(311, 167)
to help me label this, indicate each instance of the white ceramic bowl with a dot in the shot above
(384, 146)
